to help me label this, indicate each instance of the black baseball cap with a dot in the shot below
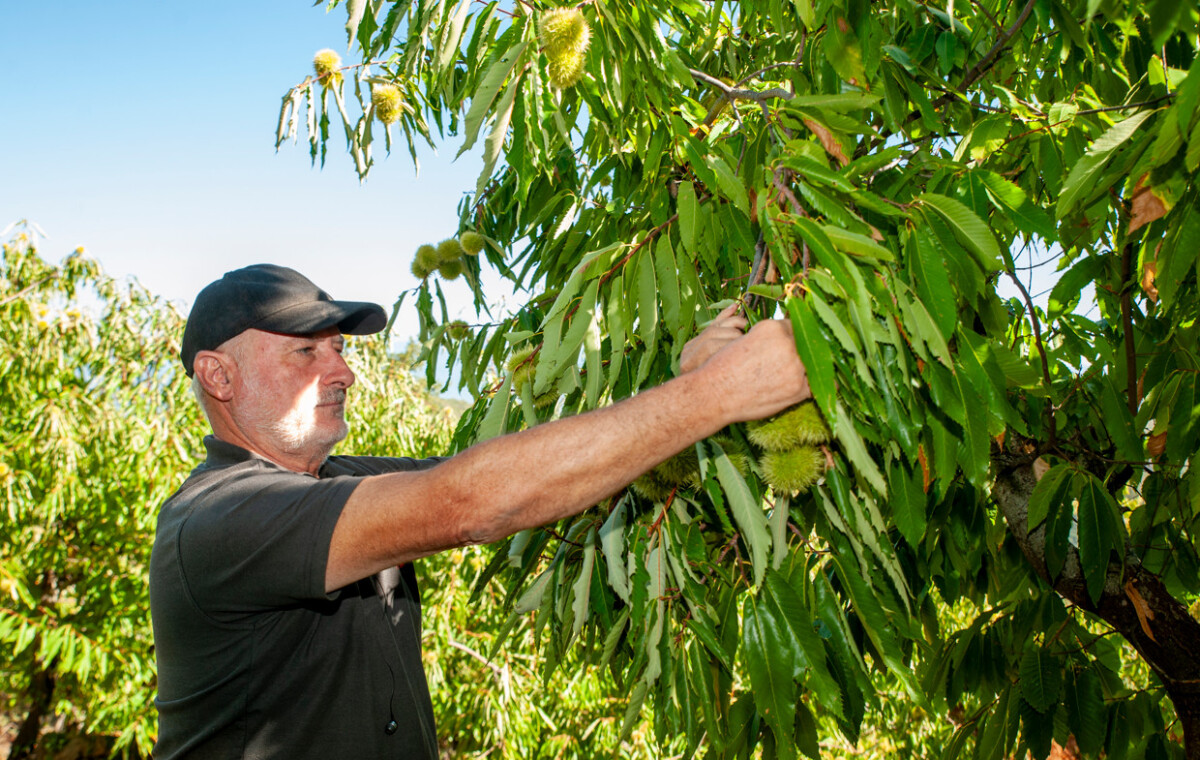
(272, 298)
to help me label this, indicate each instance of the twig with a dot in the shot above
(1128, 106)
(978, 69)
(1127, 322)
(649, 236)
(734, 93)
(1037, 336)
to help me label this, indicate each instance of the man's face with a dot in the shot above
(292, 390)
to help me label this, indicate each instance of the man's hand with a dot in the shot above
(757, 374)
(727, 327)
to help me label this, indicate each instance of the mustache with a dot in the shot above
(332, 396)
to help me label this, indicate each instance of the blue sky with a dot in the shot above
(144, 132)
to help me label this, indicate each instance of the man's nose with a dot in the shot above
(340, 373)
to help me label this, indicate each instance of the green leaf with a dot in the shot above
(555, 357)
(492, 424)
(747, 514)
(583, 584)
(1083, 181)
(812, 170)
(859, 245)
(728, 183)
(668, 285)
(1085, 711)
(810, 657)
(815, 353)
(976, 440)
(855, 449)
(1041, 679)
(770, 660)
(688, 215)
(485, 94)
(933, 281)
(1048, 494)
(1100, 532)
(636, 699)
(612, 541)
(1070, 285)
(1025, 214)
(647, 314)
(908, 502)
(354, 16)
(969, 229)
(495, 139)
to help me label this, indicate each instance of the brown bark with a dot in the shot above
(41, 692)
(1170, 640)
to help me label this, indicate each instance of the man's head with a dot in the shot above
(263, 345)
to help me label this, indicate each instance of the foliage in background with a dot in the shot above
(94, 432)
(1007, 534)
(97, 428)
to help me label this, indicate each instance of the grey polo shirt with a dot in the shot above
(255, 660)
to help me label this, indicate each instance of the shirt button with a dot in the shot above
(391, 727)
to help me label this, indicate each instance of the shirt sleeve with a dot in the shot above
(261, 542)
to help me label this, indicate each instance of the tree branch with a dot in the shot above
(1127, 323)
(1169, 642)
(984, 63)
(1037, 336)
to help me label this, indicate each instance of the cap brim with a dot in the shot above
(350, 317)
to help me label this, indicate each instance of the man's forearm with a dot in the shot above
(558, 469)
(554, 470)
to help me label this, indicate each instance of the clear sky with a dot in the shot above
(144, 131)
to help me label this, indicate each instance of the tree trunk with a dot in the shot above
(1168, 638)
(41, 694)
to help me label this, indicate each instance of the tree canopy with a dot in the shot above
(1003, 528)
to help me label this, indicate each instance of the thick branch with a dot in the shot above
(1168, 638)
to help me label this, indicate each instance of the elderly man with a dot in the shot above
(286, 613)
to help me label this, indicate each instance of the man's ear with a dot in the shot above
(214, 371)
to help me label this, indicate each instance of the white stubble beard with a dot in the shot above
(298, 430)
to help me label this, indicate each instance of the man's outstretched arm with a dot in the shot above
(558, 469)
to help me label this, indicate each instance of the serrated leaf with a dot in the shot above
(1047, 494)
(816, 355)
(494, 143)
(969, 230)
(1026, 215)
(747, 514)
(728, 183)
(1070, 285)
(1099, 532)
(854, 243)
(812, 170)
(1085, 711)
(485, 94)
(811, 652)
(688, 215)
(933, 281)
(855, 449)
(492, 424)
(632, 710)
(354, 16)
(1041, 679)
(908, 502)
(612, 542)
(770, 661)
(1083, 182)
(583, 584)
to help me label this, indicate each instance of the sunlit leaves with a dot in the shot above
(892, 170)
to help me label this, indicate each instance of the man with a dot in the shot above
(285, 608)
